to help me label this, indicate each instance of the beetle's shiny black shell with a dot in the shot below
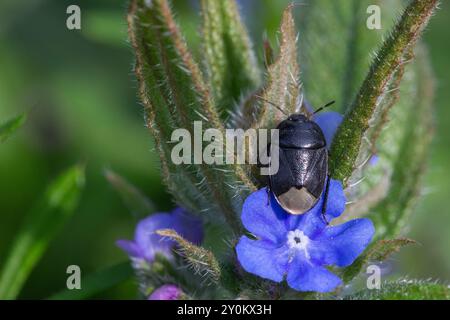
(303, 164)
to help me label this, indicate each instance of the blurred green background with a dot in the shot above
(80, 94)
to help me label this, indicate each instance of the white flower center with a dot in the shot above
(297, 240)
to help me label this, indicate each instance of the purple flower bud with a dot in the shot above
(147, 243)
(166, 292)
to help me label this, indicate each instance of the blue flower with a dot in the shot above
(147, 243)
(166, 292)
(329, 123)
(299, 247)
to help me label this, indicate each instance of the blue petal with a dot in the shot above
(312, 222)
(263, 258)
(335, 200)
(187, 225)
(328, 122)
(374, 160)
(148, 241)
(342, 244)
(263, 218)
(304, 276)
(130, 248)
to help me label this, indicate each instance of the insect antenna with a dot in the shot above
(272, 104)
(325, 106)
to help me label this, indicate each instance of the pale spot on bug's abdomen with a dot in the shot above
(297, 201)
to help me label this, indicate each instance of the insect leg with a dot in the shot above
(325, 200)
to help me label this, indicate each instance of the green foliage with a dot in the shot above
(10, 126)
(388, 189)
(390, 214)
(406, 290)
(200, 260)
(98, 282)
(282, 88)
(347, 142)
(231, 62)
(41, 225)
(174, 94)
(369, 182)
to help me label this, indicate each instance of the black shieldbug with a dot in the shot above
(302, 176)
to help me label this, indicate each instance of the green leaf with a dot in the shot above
(405, 290)
(369, 183)
(138, 204)
(390, 214)
(346, 145)
(202, 261)
(173, 79)
(377, 252)
(230, 60)
(40, 226)
(174, 94)
(158, 94)
(10, 126)
(97, 282)
(282, 87)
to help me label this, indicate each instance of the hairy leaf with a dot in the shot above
(156, 95)
(202, 261)
(282, 87)
(230, 60)
(175, 95)
(390, 214)
(406, 290)
(346, 145)
(371, 178)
